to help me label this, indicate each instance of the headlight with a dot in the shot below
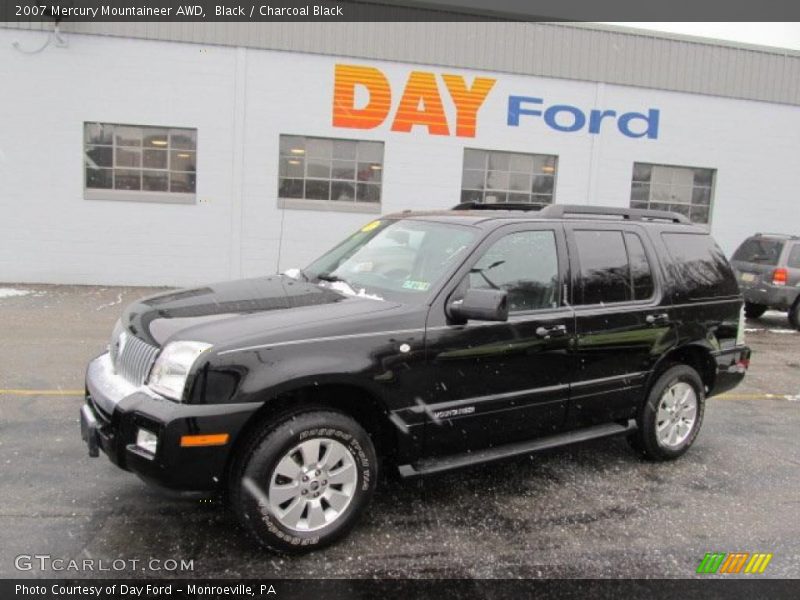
(172, 367)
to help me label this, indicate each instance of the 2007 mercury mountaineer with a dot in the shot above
(425, 342)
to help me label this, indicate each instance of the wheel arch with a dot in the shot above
(356, 401)
(695, 355)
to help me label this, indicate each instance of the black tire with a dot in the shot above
(256, 465)
(753, 311)
(645, 439)
(794, 315)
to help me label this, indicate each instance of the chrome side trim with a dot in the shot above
(609, 379)
(504, 396)
(516, 394)
(332, 338)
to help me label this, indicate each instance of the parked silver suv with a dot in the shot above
(768, 269)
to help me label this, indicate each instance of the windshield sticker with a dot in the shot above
(420, 286)
(370, 226)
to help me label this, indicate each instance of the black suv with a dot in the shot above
(424, 342)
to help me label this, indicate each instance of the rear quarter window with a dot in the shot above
(794, 257)
(699, 266)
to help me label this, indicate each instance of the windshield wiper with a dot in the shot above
(485, 276)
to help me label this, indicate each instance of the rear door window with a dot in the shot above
(613, 267)
(759, 250)
(699, 266)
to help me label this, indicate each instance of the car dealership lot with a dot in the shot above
(592, 510)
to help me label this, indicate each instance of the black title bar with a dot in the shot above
(387, 589)
(255, 11)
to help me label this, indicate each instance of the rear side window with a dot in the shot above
(759, 250)
(794, 257)
(613, 267)
(699, 266)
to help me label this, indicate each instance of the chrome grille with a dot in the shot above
(131, 357)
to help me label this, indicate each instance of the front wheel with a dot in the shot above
(672, 415)
(303, 484)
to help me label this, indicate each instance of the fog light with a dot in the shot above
(147, 440)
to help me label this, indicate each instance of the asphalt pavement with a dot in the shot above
(591, 510)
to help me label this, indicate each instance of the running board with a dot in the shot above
(456, 461)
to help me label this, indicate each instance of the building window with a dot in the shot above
(133, 162)
(684, 190)
(330, 172)
(495, 177)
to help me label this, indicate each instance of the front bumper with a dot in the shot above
(115, 411)
(731, 366)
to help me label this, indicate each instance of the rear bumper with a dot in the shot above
(731, 364)
(774, 296)
(115, 411)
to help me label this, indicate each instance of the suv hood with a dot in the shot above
(225, 312)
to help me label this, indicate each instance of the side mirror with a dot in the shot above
(480, 305)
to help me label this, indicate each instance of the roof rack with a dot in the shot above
(497, 206)
(783, 235)
(556, 211)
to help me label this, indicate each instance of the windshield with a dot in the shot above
(399, 260)
(759, 250)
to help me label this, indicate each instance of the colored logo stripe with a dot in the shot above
(732, 563)
(711, 562)
(758, 563)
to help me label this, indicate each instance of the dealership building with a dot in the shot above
(176, 154)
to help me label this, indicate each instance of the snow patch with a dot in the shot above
(117, 301)
(294, 273)
(11, 292)
(344, 288)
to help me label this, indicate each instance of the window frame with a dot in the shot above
(711, 188)
(576, 280)
(160, 197)
(486, 170)
(456, 285)
(355, 206)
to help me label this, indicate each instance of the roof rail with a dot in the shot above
(497, 206)
(633, 214)
(783, 235)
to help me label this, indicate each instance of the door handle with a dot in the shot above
(554, 331)
(661, 319)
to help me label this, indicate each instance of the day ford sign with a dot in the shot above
(421, 105)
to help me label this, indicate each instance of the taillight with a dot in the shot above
(779, 277)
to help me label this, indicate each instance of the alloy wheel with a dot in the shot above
(312, 484)
(677, 413)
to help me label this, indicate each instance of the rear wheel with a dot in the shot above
(672, 415)
(794, 315)
(753, 311)
(304, 483)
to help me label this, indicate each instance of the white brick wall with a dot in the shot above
(240, 101)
